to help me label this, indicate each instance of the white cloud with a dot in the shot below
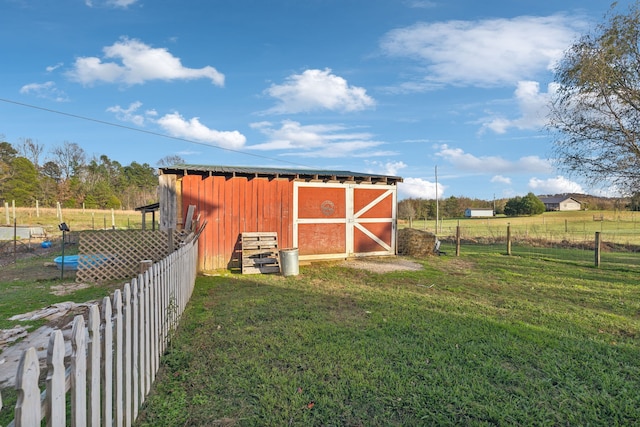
(318, 90)
(385, 168)
(47, 90)
(419, 188)
(192, 129)
(130, 114)
(488, 52)
(54, 67)
(122, 3)
(135, 63)
(555, 185)
(330, 141)
(492, 164)
(110, 3)
(501, 179)
(421, 4)
(533, 106)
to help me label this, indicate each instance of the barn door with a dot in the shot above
(341, 220)
(374, 210)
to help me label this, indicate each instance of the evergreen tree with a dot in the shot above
(22, 186)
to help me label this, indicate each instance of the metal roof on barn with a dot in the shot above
(261, 172)
(557, 199)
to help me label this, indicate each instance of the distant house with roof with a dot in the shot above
(561, 203)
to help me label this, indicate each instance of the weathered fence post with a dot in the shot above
(597, 249)
(56, 406)
(508, 239)
(107, 364)
(94, 355)
(458, 240)
(128, 399)
(171, 243)
(6, 212)
(28, 408)
(135, 325)
(78, 373)
(119, 359)
(145, 264)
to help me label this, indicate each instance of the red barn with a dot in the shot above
(325, 214)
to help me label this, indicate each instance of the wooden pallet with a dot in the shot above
(260, 253)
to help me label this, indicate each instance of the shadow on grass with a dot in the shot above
(307, 351)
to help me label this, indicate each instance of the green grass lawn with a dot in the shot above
(483, 339)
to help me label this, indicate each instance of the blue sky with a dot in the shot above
(394, 87)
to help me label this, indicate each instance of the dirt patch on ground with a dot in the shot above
(67, 288)
(36, 263)
(10, 252)
(385, 265)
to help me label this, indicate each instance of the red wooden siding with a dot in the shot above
(363, 243)
(318, 239)
(321, 202)
(364, 196)
(235, 205)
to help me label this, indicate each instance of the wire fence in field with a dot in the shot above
(619, 241)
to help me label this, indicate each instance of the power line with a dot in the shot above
(148, 132)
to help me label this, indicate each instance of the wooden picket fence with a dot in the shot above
(115, 357)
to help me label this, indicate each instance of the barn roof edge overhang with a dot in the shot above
(291, 174)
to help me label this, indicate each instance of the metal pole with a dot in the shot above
(597, 249)
(62, 266)
(15, 240)
(437, 205)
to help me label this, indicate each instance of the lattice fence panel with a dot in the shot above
(116, 254)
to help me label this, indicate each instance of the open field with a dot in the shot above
(76, 219)
(481, 339)
(621, 227)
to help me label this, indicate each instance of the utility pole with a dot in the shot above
(437, 205)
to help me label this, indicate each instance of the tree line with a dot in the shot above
(455, 207)
(66, 175)
(452, 207)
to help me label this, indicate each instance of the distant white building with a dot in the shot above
(478, 212)
(561, 203)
